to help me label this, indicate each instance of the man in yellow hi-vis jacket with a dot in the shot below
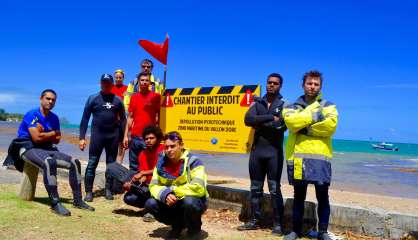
(178, 189)
(311, 121)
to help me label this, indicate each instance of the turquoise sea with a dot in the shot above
(356, 165)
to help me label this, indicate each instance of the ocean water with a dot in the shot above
(356, 165)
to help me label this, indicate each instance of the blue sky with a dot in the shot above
(367, 51)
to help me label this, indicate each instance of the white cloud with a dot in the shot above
(8, 98)
(398, 86)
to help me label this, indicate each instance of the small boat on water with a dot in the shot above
(385, 147)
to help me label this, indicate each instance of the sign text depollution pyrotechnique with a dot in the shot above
(210, 118)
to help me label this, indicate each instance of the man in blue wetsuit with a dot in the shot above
(38, 134)
(108, 117)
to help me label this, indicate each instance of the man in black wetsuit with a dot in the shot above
(266, 157)
(108, 116)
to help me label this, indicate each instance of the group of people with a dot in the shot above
(311, 121)
(163, 176)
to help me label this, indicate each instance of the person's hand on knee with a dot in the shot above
(171, 199)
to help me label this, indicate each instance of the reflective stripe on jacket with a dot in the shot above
(309, 147)
(192, 179)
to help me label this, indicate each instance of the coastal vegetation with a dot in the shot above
(10, 117)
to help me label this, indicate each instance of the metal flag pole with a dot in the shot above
(165, 79)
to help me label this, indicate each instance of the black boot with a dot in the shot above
(108, 188)
(108, 194)
(278, 209)
(323, 232)
(194, 234)
(290, 236)
(79, 203)
(78, 200)
(88, 185)
(174, 233)
(88, 197)
(59, 209)
(324, 236)
(253, 224)
(277, 230)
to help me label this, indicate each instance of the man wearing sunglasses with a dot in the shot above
(178, 189)
(266, 158)
(133, 87)
(143, 111)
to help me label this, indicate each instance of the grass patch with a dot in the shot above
(34, 220)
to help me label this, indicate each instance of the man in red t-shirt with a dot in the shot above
(144, 109)
(147, 160)
(136, 182)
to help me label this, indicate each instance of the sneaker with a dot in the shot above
(251, 225)
(59, 209)
(324, 236)
(108, 195)
(148, 218)
(83, 205)
(290, 236)
(277, 230)
(88, 197)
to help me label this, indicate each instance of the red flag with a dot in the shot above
(158, 51)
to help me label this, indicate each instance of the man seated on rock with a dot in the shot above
(178, 189)
(136, 182)
(35, 144)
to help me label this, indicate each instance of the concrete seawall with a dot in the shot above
(358, 220)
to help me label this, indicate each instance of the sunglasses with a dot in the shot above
(173, 137)
(271, 82)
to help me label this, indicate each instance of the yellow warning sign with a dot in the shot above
(210, 118)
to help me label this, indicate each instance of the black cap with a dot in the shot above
(106, 78)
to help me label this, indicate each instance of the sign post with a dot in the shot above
(210, 118)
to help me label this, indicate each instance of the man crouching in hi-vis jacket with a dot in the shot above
(178, 189)
(311, 121)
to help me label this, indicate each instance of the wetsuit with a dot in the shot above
(266, 156)
(47, 157)
(108, 117)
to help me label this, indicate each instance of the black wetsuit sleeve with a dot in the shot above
(85, 119)
(252, 119)
(122, 116)
(276, 124)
